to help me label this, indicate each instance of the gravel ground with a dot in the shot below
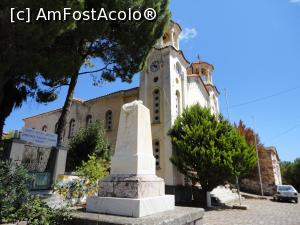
(259, 212)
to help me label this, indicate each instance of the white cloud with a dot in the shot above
(189, 33)
(294, 1)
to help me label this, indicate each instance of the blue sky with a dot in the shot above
(255, 49)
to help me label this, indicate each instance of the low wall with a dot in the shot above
(253, 186)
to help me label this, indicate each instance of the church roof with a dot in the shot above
(113, 93)
(214, 87)
(78, 100)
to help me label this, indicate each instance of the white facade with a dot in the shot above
(178, 84)
(168, 84)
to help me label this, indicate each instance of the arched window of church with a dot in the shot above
(156, 153)
(178, 105)
(108, 120)
(156, 106)
(88, 120)
(44, 128)
(71, 128)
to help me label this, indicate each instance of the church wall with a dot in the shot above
(49, 120)
(79, 112)
(150, 81)
(175, 93)
(114, 103)
(176, 87)
(196, 92)
(169, 91)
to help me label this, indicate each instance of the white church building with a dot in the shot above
(168, 84)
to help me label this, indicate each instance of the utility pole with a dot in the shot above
(258, 163)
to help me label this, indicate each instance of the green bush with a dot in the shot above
(14, 191)
(36, 212)
(87, 141)
(90, 172)
(17, 205)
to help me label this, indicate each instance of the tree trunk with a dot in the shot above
(1, 127)
(2, 118)
(66, 109)
(4, 80)
(238, 189)
(7, 103)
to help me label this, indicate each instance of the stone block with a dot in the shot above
(130, 207)
(131, 186)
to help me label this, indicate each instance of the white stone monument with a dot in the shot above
(132, 189)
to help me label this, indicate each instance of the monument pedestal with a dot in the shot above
(130, 206)
(131, 195)
(132, 189)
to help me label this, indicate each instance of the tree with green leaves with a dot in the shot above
(207, 148)
(24, 51)
(121, 46)
(87, 141)
(291, 173)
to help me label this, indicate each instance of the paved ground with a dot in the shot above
(260, 212)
